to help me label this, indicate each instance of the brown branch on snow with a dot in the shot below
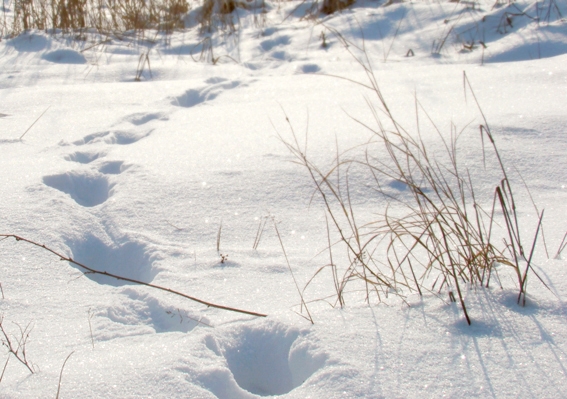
(93, 271)
(19, 350)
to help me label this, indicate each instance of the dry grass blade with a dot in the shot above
(38, 118)
(303, 304)
(61, 374)
(219, 236)
(561, 246)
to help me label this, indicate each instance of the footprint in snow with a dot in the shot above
(193, 97)
(86, 188)
(137, 313)
(84, 157)
(126, 258)
(120, 137)
(310, 68)
(142, 118)
(112, 168)
(280, 55)
(269, 44)
(264, 358)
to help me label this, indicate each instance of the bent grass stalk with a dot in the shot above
(90, 270)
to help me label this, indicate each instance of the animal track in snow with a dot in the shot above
(121, 137)
(125, 137)
(143, 118)
(280, 55)
(269, 44)
(112, 168)
(310, 68)
(86, 188)
(91, 138)
(138, 313)
(266, 358)
(84, 157)
(194, 97)
(129, 259)
(215, 80)
(269, 31)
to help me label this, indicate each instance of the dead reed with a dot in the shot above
(439, 235)
(104, 16)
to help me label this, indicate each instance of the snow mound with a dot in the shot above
(65, 56)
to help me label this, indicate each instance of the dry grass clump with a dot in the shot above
(332, 6)
(217, 13)
(438, 235)
(104, 16)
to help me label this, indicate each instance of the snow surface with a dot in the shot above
(136, 177)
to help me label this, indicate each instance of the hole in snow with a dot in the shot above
(91, 138)
(137, 313)
(112, 168)
(129, 259)
(143, 118)
(269, 44)
(84, 157)
(193, 97)
(310, 68)
(87, 189)
(120, 137)
(126, 137)
(268, 359)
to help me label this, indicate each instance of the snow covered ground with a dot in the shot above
(145, 177)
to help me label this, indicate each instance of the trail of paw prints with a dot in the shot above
(93, 186)
(274, 46)
(214, 87)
